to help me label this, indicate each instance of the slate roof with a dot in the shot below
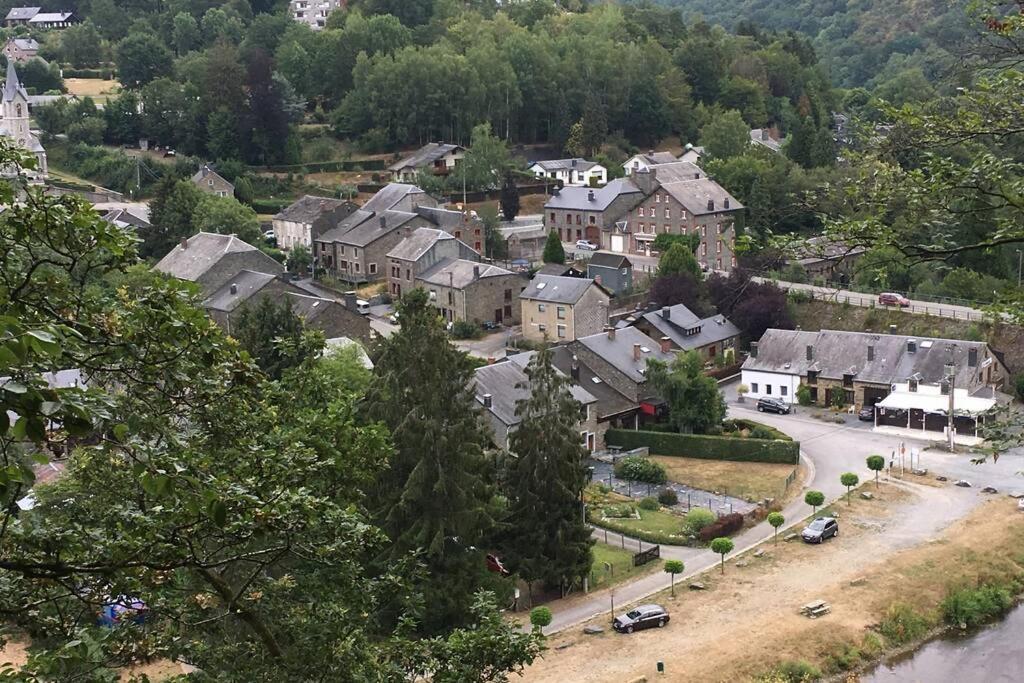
(677, 170)
(559, 269)
(125, 218)
(459, 273)
(653, 158)
(444, 218)
(822, 248)
(500, 380)
(715, 329)
(606, 259)
(418, 243)
(557, 289)
(50, 17)
(424, 156)
(308, 209)
(27, 44)
(576, 164)
(757, 137)
(22, 13)
(12, 85)
(694, 196)
(363, 226)
(578, 198)
(247, 283)
(619, 351)
(205, 171)
(609, 401)
(837, 353)
(205, 250)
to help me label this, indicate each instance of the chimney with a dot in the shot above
(491, 360)
(383, 221)
(611, 333)
(666, 345)
(597, 279)
(972, 358)
(696, 176)
(234, 288)
(554, 191)
(184, 243)
(590, 196)
(574, 371)
(476, 272)
(711, 205)
(666, 312)
(810, 352)
(753, 349)
(892, 329)
(407, 230)
(636, 352)
(487, 400)
(350, 301)
(574, 163)
(871, 352)
(725, 203)
(764, 134)
(911, 346)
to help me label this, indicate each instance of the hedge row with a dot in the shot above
(326, 166)
(726, 525)
(270, 206)
(707, 447)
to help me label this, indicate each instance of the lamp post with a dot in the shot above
(951, 377)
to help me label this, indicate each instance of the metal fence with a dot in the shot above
(953, 311)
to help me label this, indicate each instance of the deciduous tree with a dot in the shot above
(673, 567)
(849, 480)
(876, 463)
(776, 520)
(814, 499)
(722, 546)
(695, 404)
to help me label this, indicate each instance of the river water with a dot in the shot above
(994, 654)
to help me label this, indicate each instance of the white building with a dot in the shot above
(313, 12)
(576, 172)
(14, 120)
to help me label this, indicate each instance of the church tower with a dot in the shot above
(15, 118)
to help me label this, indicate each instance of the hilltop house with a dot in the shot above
(434, 157)
(35, 17)
(576, 172)
(14, 122)
(561, 309)
(211, 182)
(211, 260)
(293, 225)
(20, 50)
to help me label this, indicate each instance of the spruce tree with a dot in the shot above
(553, 251)
(435, 495)
(548, 539)
(509, 198)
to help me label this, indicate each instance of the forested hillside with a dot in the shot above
(866, 43)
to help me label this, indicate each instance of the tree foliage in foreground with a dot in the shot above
(231, 505)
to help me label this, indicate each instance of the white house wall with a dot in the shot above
(771, 384)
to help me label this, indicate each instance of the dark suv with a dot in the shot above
(644, 616)
(820, 530)
(772, 405)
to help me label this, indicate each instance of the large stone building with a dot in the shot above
(211, 260)
(294, 225)
(314, 13)
(560, 309)
(20, 50)
(14, 123)
(578, 213)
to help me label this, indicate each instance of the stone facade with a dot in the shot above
(210, 182)
(563, 322)
(367, 263)
(580, 224)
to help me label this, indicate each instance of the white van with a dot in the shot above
(363, 307)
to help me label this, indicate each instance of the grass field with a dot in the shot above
(747, 480)
(92, 87)
(620, 566)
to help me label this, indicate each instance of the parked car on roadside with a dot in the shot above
(362, 307)
(767, 404)
(866, 414)
(586, 245)
(490, 325)
(820, 530)
(644, 616)
(893, 299)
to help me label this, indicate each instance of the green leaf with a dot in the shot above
(35, 429)
(218, 512)
(121, 432)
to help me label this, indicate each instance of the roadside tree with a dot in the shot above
(814, 499)
(849, 480)
(876, 463)
(540, 617)
(722, 546)
(673, 567)
(776, 520)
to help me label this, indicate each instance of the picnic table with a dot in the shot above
(815, 609)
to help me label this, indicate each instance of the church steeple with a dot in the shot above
(12, 86)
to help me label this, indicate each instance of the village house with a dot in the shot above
(575, 172)
(20, 50)
(35, 17)
(499, 387)
(714, 337)
(211, 260)
(577, 213)
(642, 162)
(418, 252)
(437, 158)
(614, 410)
(211, 182)
(692, 154)
(125, 218)
(825, 258)
(560, 309)
(293, 225)
(14, 123)
(861, 368)
(313, 13)
(614, 272)
(355, 249)
(765, 137)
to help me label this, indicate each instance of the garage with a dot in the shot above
(873, 395)
(618, 243)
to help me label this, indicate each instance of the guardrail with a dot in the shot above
(870, 301)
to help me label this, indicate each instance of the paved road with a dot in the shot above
(869, 300)
(828, 450)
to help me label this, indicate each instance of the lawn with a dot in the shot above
(748, 480)
(621, 563)
(95, 88)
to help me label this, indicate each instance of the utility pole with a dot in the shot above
(951, 378)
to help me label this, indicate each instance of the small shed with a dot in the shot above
(612, 271)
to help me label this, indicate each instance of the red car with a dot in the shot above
(495, 565)
(893, 299)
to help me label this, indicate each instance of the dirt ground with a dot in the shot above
(95, 88)
(891, 548)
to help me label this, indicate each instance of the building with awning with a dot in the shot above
(925, 408)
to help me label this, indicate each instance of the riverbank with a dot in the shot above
(908, 547)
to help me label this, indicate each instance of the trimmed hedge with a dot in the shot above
(270, 206)
(726, 525)
(707, 447)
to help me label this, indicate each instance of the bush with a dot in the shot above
(270, 206)
(540, 617)
(803, 395)
(650, 503)
(698, 519)
(707, 447)
(902, 624)
(644, 470)
(974, 606)
(794, 671)
(463, 329)
(760, 432)
(1018, 386)
(624, 511)
(668, 497)
(726, 525)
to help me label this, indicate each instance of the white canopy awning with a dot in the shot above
(930, 399)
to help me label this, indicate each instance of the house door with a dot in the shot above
(617, 244)
(497, 315)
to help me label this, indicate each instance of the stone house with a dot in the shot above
(419, 251)
(211, 260)
(500, 386)
(561, 309)
(20, 50)
(860, 368)
(692, 154)
(575, 172)
(614, 410)
(614, 272)
(641, 162)
(211, 182)
(313, 13)
(293, 225)
(577, 213)
(437, 158)
(713, 337)
(821, 257)
(472, 291)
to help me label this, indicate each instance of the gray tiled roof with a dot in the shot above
(49, 17)
(836, 353)
(204, 251)
(609, 401)
(557, 289)
(27, 44)
(444, 218)
(22, 13)
(418, 243)
(758, 138)
(308, 209)
(309, 307)
(204, 171)
(566, 165)
(715, 329)
(246, 283)
(459, 273)
(363, 226)
(652, 158)
(578, 198)
(619, 352)
(424, 156)
(678, 170)
(607, 259)
(500, 381)
(694, 195)
(12, 85)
